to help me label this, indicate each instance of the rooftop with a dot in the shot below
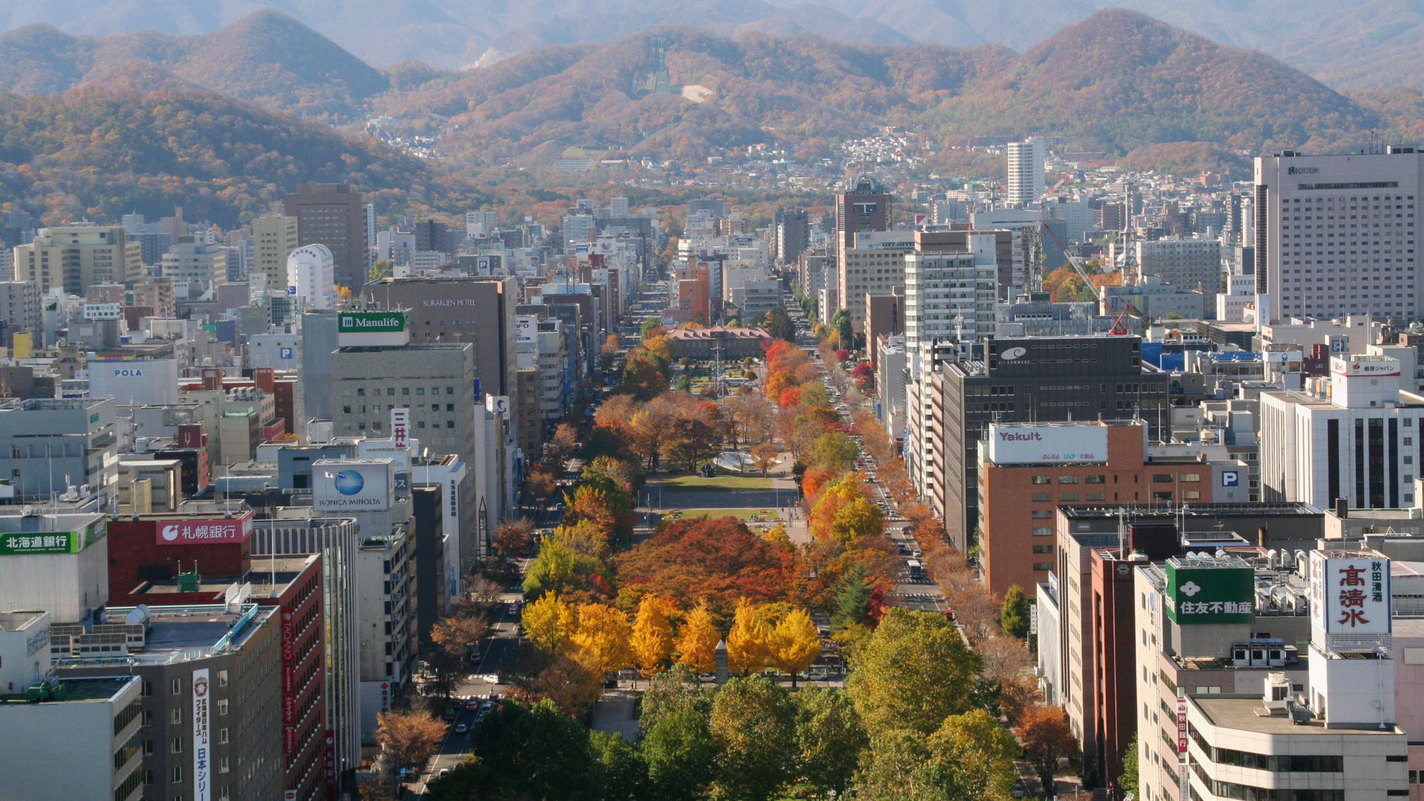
(1189, 510)
(19, 621)
(1247, 713)
(79, 690)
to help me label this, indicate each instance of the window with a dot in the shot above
(1043, 531)
(222, 765)
(1096, 480)
(176, 715)
(1043, 479)
(1162, 496)
(148, 748)
(222, 736)
(1067, 479)
(177, 685)
(1042, 514)
(177, 745)
(1096, 496)
(1189, 478)
(1068, 497)
(1043, 549)
(1191, 495)
(177, 773)
(222, 678)
(1043, 567)
(1042, 497)
(1162, 478)
(222, 706)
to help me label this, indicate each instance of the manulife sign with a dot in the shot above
(386, 327)
(1202, 590)
(381, 322)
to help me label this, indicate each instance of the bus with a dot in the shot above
(917, 570)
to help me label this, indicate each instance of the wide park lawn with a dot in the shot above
(694, 482)
(744, 515)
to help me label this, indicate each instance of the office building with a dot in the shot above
(1042, 379)
(201, 266)
(64, 738)
(385, 568)
(273, 239)
(1354, 438)
(1026, 471)
(477, 311)
(949, 289)
(334, 215)
(19, 312)
(211, 701)
(311, 276)
(873, 264)
(863, 209)
(1337, 235)
(793, 234)
(1025, 248)
(73, 258)
(1025, 170)
(1187, 264)
(884, 317)
(48, 445)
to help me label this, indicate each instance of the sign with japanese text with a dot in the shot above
(400, 427)
(196, 532)
(1200, 595)
(40, 542)
(202, 758)
(1182, 724)
(1349, 595)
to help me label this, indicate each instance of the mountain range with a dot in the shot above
(1345, 43)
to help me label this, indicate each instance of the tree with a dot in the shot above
(652, 636)
(1128, 782)
(748, 641)
(697, 640)
(565, 441)
(834, 450)
(601, 639)
(779, 325)
(623, 775)
(829, 738)
(1046, 737)
(856, 521)
(512, 538)
(982, 753)
(549, 622)
(795, 643)
(650, 327)
(912, 673)
(851, 603)
(718, 560)
(526, 752)
(409, 737)
(969, 756)
(1014, 617)
(754, 725)
(561, 569)
(681, 754)
(608, 351)
(764, 456)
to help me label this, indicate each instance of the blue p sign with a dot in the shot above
(1230, 478)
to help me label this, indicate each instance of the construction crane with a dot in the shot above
(1118, 328)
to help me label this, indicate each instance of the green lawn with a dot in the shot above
(746, 515)
(695, 482)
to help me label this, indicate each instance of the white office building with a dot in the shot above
(311, 277)
(1337, 234)
(1360, 441)
(1025, 177)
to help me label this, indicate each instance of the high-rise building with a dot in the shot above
(949, 288)
(273, 239)
(311, 277)
(874, 264)
(1337, 235)
(1025, 179)
(793, 234)
(47, 444)
(1189, 265)
(334, 215)
(865, 208)
(73, 258)
(1027, 379)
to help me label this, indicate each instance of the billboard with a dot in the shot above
(136, 382)
(368, 322)
(103, 311)
(400, 427)
(348, 485)
(1201, 595)
(1349, 595)
(40, 542)
(202, 758)
(1038, 444)
(203, 531)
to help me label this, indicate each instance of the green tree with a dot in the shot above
(649, 326)
(969, 756)
(829, 738)
(681, 754)
(521, 752)
(623, 775)
(754, 725)
(835, 451)
(1013, 618)
(851, 602)
(1128, 781)
(672, 691)
(912, 673)
(779, 325)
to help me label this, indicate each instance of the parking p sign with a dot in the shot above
(1231, 478)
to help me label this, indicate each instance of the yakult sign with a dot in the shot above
(1038, 444)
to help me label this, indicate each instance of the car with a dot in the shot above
(917, 553)
(450, 714)
(471, 704)
(462, 728)
(444, 772)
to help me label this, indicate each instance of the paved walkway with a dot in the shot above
(613, 713)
